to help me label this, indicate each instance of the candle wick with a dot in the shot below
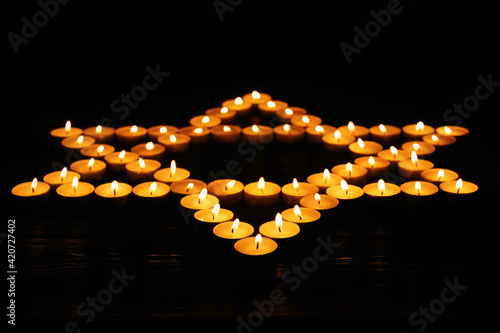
(199, 201)
(114, 191)
(213, 218)
(458, 190)
(232, 230)
(279, 229)
(225, 188)
(257, 246)
(349, 172)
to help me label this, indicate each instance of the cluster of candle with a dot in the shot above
(322, 191)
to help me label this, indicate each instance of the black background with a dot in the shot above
(428, 58)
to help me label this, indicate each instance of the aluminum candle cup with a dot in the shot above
(251, 247)
(76, 189)
(293, 192)
(172, 174)
(205, 121)
(306, 120)
(324, 180)
(352, 173)
(437, 175)
(337, 142)
(288, 133)
(101, 134)
(412, 168)
(131, 135)
(269, 108)
(66, 131)
(385, 134)
(459, 192)
(97, 150)
(114, 192)
(117, 160)
(199, 201)
(364, 148)
(226, 116)
(77, 141)
(142, 169)
(149, 150)
(357, 131)
(420, 147)
(229, 191)
(375, 167)
(394, 156)
(258, 133)
(262, 193)
(187, 186)
(240, 106)
(256, 97)
(419, 192)
(33, 188)
(315, 133)
(233, 230)
(155, 131)
(90, 170)
(198, 135)
(417, 131)
(319, 201)
(226, 133)
(439, 140)
(452, 130)
(56, 178)
(175, 143)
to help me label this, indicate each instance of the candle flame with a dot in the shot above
(255, 94)
(98, 129)
(91, 163)
(350, 126)
(235, 225)
(459, 184)
(122, 155)
(74, 184)
(394, 151)
(414, 158)
(173, 139)
(79, 140)
(205, 119)
(286, 128)
(337, 135)
(447, 130)
(198, 130)
(434, 138)
(261, 184)
(150, 145)
(317, 197)
(320, 129)
(226, 129)
(255, 128)
(152, 188)
(418, 187)
(326, 176)
(416, 146)
(202, 196)
(238, 101)
(163, 129)
(189, 187)
(279, 221)
(215, 211)
(305, 119)
(419, 126)
(224, 110)
(361, 144)
(230, 184)
(114, 187)
(382, 128)
(371, 161)
(63, 173)
(271, 104)
(258, 241)
(67, 127)
(297, 211)
(288, 111)
(344, 186)
(99, 150)
(34, 183)
(296, 184)
(133, 129)
(381, 186)
(173, 168)
(348, 168)
(142, 164)
(440, 174)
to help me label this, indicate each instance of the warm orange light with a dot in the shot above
(361, 144)
(67, 127)
(371, 161)
(416, 146)
(255, 94)
(163, 130)
(74, 184)
(295, 184)
(205, 119)
(419, 126)
(235, 225)
(121, 155)
(350, 126)
(238, 101)
(99, 150)
(305, 119)
(202, 196)
(317, 197)
(152, 188)
(394, 152)
(344, 186)
(459, 185)
(173, 168)
(224, 110)
(447, 130)
(382, 128)
(348, 168)
(319, 129)
(98, 129)
(261, 184)
(440, 174)
(271, 104)
(434, 138)
(279, 221)
(189, 187)
(337, 135)
(288, 111)
(215, 211)
(114, 187)
(63, 173)
(418, 187)
(133, 129)
(255, 128)
(230, 185)
(381, 186)
(173, 139)
(297, 211)
(198, 130)
(226, 129)
(79, 140)
(258, 240)
(91, 163)
(34, 183)
(142, 164)
(414, 158)
(286, 128)
(150, 146)
(326, 176)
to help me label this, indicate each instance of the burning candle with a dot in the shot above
(117, 160)
(172, 174)
(31, 189)
(381, 189)
(255, 246)
(114, 190)
(412, 168)
(89, 169)
(256, 97)
(66, 131)
(376, 167)
(279, 229)
(155, 131)
(352, 173)
(337, 142)
(420, 147)
(205, 121)
(258, 133)
(149, 150)
(319, 201)
(417, 131)
(285, 115)
(101, 134)
(214, 215)
(294, 191)
(226, 133)
(202, 200)
(56, 178)
(452, 130)
(437, 175)
(439, 139)
(269, 108)
(305, 120)
(315, 133)
(365, 148)
(197, 134)
(226, 116)
(75, 189)
(187, 186)
(324, 180)
(394, 156)
(458, 187)
(151, 190)
(175, 143)
(345, 191)
(288, 133)
(131, 135)
(419, 188)
(356, 131)
(262, 193)
(142, 169)
(299, 214)
(240, 106)
(77, 141)
(233, 229)
(385, 134)
(229, 191)
(97, 150)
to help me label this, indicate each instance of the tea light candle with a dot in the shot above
(352, 173)
(417, 131)
(151, 190)
(315, 133)
(172, 174)
(293, 192)
(337, 142)
(381, 189)
(97, 150)
(285, 115)
(419, 188)
(269, 108)
(262, 193)
(324, 180)
(365, 148)
(258, 133)
(376, 167)
(226, 133)
(131, 135)
(356, 131)
(233, 229)
(279, 229)
(393, 156)
(187, 186)
(452, 130)
(142, 169)
(149, 150)
(155, 131)
(439, 139)
(458, 187)
(202, 200)
(305, 120)
(385, 134)
(214, 215)
(345, 191)
(75, 189)
(77, 141)
(113, 190)
(420, 147)
(175, 143)
(31, 189)
(288, 133)
(205, 121)
(102, 134)
(255, 246)
(240, 106)
(89, 169)
(229, 191)
(66, 131)
(299, 214)
(223, 113)
(56, 178)
(117, 160)
(256, 97)
(319, 201)
(197, 134)
(437, 175)
(412, 168)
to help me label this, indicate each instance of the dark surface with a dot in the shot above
(392, 258)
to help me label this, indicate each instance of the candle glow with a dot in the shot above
(261, 185)
(215, 211)
(279, 221)
(381, 186)
(459, 185)
(64, 171)
(114, 187)
(258, 241)
(297, 211)
(344, 186)
(74, 184)
(152, 188)
(235, 225)
(202, 196)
